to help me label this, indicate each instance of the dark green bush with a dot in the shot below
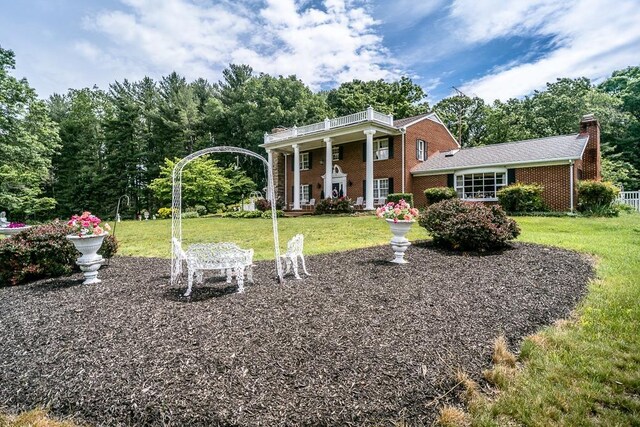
(40, 252)
(521, 198)
(438, 194)
(462, 225)
(336, 205)
(202, 210)
(396, 197)
(597, 198)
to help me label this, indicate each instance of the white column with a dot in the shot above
(369, 174)
(328, 168)
(296, 177)
(270, 160)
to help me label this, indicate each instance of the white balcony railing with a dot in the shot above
(363, 116)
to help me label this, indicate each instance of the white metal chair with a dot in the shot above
(294, 251)
(312, 204)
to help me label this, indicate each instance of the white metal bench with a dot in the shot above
(225, 257)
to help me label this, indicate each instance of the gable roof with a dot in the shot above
(554, 148)
(409, 120)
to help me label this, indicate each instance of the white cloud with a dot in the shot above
(333, 43)
(591, 39)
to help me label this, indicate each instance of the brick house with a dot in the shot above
(369, 155)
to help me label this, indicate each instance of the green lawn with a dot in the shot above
(322, 234)
(584, 372)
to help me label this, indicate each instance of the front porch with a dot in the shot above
(310, 154)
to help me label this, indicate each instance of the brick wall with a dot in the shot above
(352, 163)
(437, 139)
(421, 183)
(554, 179)
(591, 157)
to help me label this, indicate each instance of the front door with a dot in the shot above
(337, 189)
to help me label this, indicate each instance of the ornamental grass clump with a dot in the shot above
(401, 211)
(459, 225)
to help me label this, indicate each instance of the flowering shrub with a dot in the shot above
(396, 197)
(468, 226)
(87, 225)
(42, 251)
(400, 211)
(334, 205)
(16, 225)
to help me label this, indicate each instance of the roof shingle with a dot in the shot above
(529, 151)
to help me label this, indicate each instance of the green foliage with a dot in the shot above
(438, 194)
(202, 210)
(335, 205)
(462, 225)
(268, 214)
(189, 214)
(521, 198)
(244, 214)
(241, 184)
(402, 98)
(597, 198)
(28, 140)
(203, 182)
(396, 197)
(109, 246)
(164, 213)
(465, 117)
(620, 172)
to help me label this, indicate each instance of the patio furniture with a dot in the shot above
(381, 201)
(311, 205)
(225, 257)
(294, 251)
(359, 204)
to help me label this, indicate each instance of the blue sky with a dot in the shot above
(490, 48)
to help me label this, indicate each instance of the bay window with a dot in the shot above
(480, 185)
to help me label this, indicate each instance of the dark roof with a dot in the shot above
(402, 122)
(564, 147)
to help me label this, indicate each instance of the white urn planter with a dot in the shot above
(6, 231)
(90, 261)
(399, 243)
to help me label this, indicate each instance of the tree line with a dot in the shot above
(84, 149)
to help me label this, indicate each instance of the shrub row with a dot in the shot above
(252, 214)
(42, 252)
(597, 198)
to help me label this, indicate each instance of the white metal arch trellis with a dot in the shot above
(176, 203)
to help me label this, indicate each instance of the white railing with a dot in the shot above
(362, 116)
(631, 198)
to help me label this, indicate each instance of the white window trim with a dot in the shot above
(376, 148)
(304, 159)
(304, 195)
(421, 147)
(377, 188)
(459, 187)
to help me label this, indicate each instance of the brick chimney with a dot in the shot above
(591, 157)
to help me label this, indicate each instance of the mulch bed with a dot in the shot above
(360, 342)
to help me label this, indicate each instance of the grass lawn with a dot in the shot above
(585, 371)
(322, 234)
